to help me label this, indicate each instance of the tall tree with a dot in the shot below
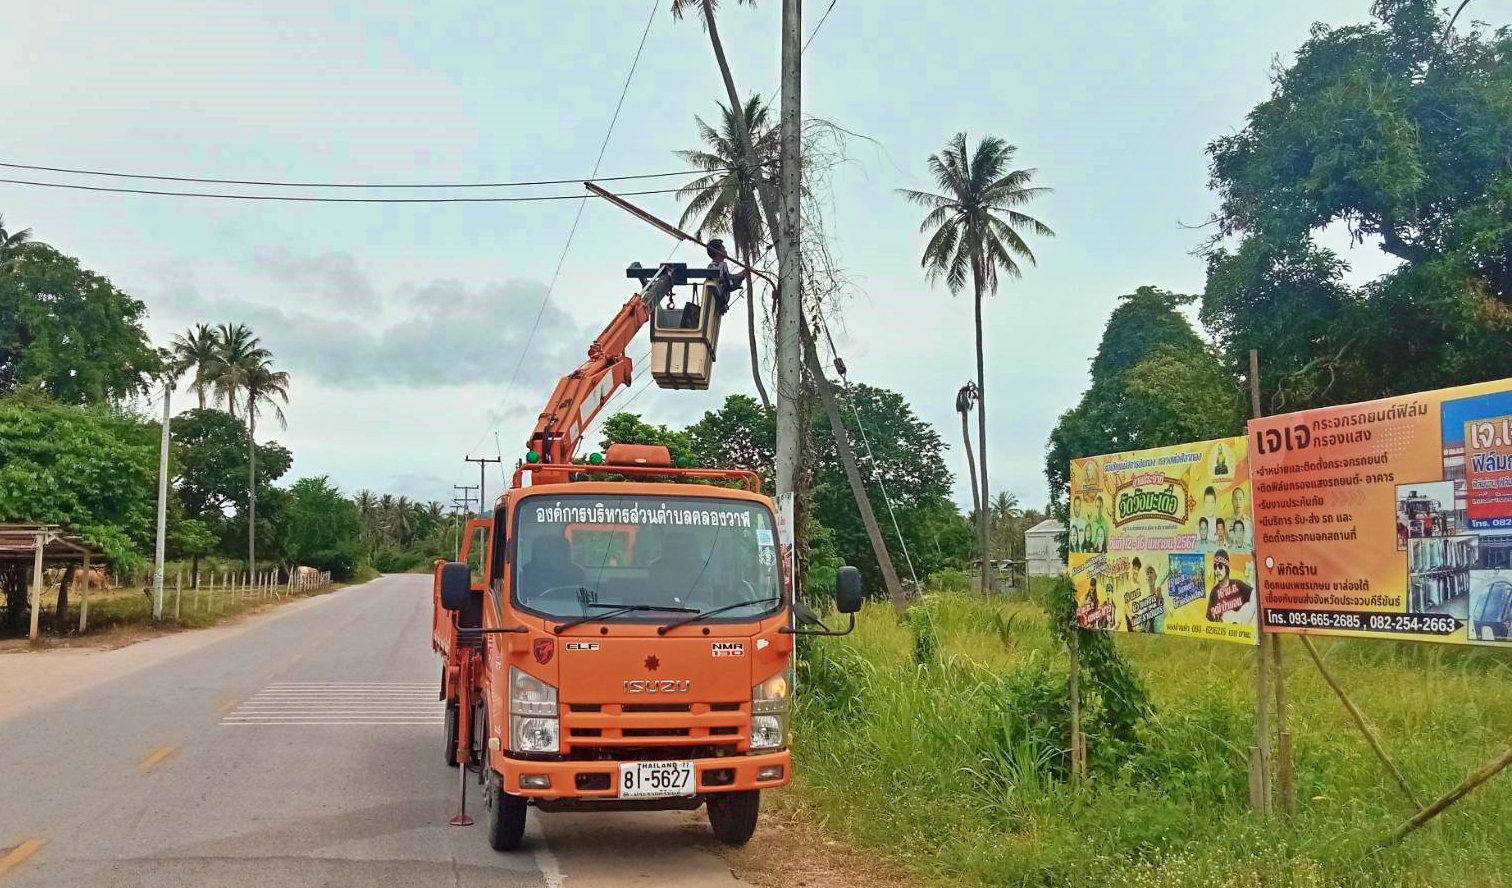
(264, 387)
(725, 200)
(1154, 383)
(367, 511)
(977, 231)
(197, 349)
(1004, 515)
(238, 353)
(1396, 130)
(322, 528)
(12, 244)
(965, 401)
(69, 332)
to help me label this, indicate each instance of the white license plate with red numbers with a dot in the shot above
(655, 780)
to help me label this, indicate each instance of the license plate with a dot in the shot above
(655, 780)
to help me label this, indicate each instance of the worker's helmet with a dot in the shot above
(716, 249)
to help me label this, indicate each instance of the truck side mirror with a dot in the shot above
(848, 592)
(456, 585)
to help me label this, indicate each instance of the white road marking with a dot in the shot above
(340, 703)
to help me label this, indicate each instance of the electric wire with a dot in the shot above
(546, 298)
(416, 185)
(291, 198)
(872, 460)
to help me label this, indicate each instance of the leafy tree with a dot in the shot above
(192, 538)
(629, 428)
(211, 456)
(67, 331)
(741, 434)
(1397, 131)
(322, 528)
(725, 199)
(976, 230)
(1154, 382)
(92, 470)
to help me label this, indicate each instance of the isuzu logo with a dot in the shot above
(658, 686)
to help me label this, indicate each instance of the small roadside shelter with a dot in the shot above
(29, 548)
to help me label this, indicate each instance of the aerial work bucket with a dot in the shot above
(684, 340)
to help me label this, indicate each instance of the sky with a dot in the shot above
(403, 325)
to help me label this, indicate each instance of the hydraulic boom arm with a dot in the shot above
(581, 394)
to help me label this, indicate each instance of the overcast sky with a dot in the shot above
(402, 324)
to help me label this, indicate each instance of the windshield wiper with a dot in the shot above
(663, 630)
(617, 610)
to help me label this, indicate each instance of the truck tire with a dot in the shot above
(506, 816)
(451, 732)
(732, 815)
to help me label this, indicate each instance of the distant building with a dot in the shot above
(1042, 548)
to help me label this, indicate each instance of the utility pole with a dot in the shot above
(162, 510)
(464, 502)
(789, 256)
(483, 462)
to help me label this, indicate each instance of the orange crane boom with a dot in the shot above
(581, 394)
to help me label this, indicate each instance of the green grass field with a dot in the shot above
(956, 769)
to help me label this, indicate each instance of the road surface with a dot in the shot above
(300, 749)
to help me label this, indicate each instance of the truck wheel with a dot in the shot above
(506, 816)
(732, 815)
(451, 733)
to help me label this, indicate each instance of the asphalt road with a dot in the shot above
(301, 750)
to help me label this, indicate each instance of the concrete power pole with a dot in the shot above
(162, 512)
(483, 462)
(789, 257)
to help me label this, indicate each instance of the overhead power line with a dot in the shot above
(546, 298)
(299, 199)
(213, 181)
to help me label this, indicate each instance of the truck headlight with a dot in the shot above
(769, 711)
(535, 734)
(768, 731)
(533, 722)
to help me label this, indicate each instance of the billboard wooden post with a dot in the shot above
(1078, 749)
(1285, 769)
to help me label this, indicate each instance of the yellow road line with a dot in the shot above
(157, 756)
(227, 706)
(18, 855)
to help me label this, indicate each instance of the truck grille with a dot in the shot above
(654, 730)
(649, 753)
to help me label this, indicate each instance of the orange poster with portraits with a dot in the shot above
(1388, 519)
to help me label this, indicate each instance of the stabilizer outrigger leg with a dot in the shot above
(462, 819)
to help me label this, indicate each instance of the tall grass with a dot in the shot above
(951, 756)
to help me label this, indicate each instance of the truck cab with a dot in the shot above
(637, 631)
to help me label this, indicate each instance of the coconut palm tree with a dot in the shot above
(13, 243)
(367, 508)
(197, 349)
(742, 131)
(725, 200)
(1003, 513)
(238, 352)
(977, 231)
(965, 400)
(263, 387)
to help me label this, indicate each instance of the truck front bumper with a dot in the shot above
(588, 780)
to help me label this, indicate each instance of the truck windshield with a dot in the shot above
(577, 551)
